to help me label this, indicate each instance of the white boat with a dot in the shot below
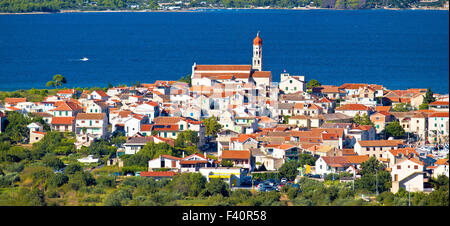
(84, 59)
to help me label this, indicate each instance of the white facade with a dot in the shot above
(291, 84)
(408, 175)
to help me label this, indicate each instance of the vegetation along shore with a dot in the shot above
(55, 6)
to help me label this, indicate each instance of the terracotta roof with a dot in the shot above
(380, 143)
(93, 116)
(39, 132)
(124, 114)
(158, 174)
(67, 106)
(330, 136)
(166, 120)
(352, 86)
(383, 108)
(62, 120)
(404, 151)
(101, 93)
(336, 161)
(223, 67)
(352, 107)
(146, 127)
(160, 127)
(67, 91)
(441, 162)
(235, 154)
(139, 140)
(357, 159)
(439, 114)
(191, 162)
(326, 89)
(12, 100)
(170, 157)
(262, 74)
(438, 103)
(257, 40)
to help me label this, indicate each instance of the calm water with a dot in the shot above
(398, 49)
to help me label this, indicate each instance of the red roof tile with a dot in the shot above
(158, 174)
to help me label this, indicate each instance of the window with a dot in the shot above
(290, 81)
(416, 167)
(67, 113)
(97, 122)
(399, 167)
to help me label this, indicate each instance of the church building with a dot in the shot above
(208, 75)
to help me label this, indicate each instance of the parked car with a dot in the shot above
(266, 187)
(284, 180)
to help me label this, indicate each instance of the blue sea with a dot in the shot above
(397, 49)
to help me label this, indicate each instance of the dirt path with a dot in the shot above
(284, 199)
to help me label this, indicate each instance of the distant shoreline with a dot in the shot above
(202, 10)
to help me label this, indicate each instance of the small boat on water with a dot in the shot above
(84, 59)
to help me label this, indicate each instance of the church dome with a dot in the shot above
(257, 40)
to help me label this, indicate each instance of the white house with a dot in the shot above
(441, 168)
(438, 127)
(93, 123)
(407, 174)
(292, 84)
(353, 109)
(164, 161)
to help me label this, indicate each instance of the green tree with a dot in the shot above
(53, 161)
(226, 163)
(289, 169)
(58, 80)
(186, 79)
(423, 106)
(187, 184)
(212, 126)
(362, 120)
(306, 159)
(313, 83)
(428, 98)
(216, 186)
(16, 127)
(402, 107)
(394, 129)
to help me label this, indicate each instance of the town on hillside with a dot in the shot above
(232, 122)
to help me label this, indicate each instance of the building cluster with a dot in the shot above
(264, 123)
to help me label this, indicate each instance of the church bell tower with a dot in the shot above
(257, 53)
